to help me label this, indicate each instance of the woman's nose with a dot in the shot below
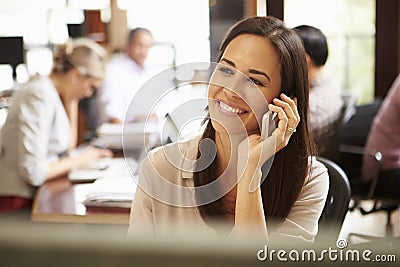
(230, 93)
(235, 88)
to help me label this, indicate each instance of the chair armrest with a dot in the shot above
(374, 153)
(360, 150)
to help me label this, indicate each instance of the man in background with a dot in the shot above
(125, 74)
(325, 102)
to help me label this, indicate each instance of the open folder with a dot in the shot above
(116, 188)
(117, 191)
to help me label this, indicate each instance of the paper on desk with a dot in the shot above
(111, 191)
(131, 135)
(127, 128)
(107, 167)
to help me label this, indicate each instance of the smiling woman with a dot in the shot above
(223, 176)
(246, 54)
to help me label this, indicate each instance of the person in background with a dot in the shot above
(384, 136)
(325, 100)
(265, 64)
(41, 126)
(125, 73)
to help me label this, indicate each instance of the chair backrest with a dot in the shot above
(328, 142)
(387, 186)
(337, 202)
(348, 109)
(356, 130)
(355, 133)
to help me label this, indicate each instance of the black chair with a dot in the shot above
(336, 205)
(384, 189)
(352, 141)
(328, 142)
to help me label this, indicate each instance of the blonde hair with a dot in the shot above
(82, 54)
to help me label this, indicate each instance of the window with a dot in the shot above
(39, 24)
(350, 29)
(180, 23)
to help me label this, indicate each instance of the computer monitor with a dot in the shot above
(75, 30)
(12, 51)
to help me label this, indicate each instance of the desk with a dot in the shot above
(59, 200)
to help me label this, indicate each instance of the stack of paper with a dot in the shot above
(111, 191)
(136, 135)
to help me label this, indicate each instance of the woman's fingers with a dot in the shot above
(283, 119)
(293, 105)
(290, 108)
(290, 113)
(289, 118)
(106, 153)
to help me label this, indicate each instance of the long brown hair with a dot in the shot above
(283, 184)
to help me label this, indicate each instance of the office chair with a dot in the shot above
(384, 189)
(336, 205)
(351, 149)
(328, 142)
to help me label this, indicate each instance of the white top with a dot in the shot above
(325, 104)
(163, 167)
(123, 79)
(36, 133)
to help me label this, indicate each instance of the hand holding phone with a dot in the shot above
(267, 124)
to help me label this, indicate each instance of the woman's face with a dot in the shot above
(246, 79)
(86, 85)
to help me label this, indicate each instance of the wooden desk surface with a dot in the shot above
(59, 200)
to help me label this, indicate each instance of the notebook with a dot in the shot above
(111, 192)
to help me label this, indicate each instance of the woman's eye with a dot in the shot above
(226, 70)
(255, 81)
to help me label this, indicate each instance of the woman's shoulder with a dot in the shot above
(184, 147)
(37, 86)
(316, 184)
(317, 171)
(172, 157)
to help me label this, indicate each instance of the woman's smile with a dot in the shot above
(229, 108)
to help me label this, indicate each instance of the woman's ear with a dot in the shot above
(308, 60)
(74, 80)
(74, 75)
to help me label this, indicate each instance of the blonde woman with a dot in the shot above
(41, 127)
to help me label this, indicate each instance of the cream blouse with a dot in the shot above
(36, 134)
(163, 185)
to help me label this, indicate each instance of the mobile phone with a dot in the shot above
(267, 124)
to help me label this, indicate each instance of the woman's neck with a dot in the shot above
(227, 147)
(70, 105)
(57, 82)
(224, 150)
(60, 82)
